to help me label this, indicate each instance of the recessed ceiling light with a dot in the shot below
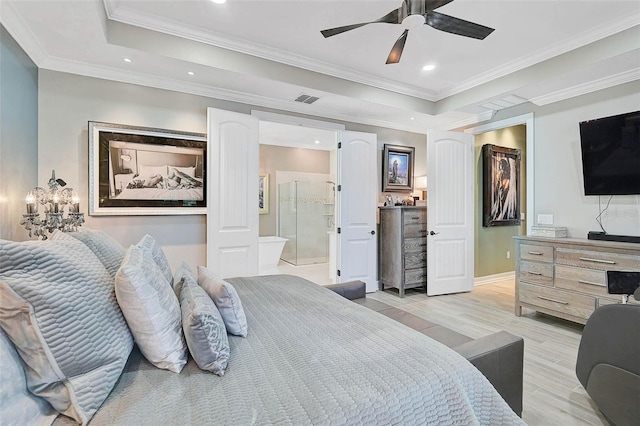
(219, 1)
(190, 72)
(317, 142)
(429, 67)
(127, 60)
(413, 118)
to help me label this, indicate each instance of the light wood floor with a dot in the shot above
(552, 393)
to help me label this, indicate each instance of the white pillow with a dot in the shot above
(149, 243)
(151, 309)
(148, 171)
(108, 250)
(203, 327)
(190, 171)
(60, 311)
(226, 299)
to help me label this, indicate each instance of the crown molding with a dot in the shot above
(21, 34)
(126, 15)
(107, 73)
(584, 88)
(475, 119)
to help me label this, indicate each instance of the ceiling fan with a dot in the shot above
(416, 12)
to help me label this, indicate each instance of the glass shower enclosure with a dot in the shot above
(306, 217)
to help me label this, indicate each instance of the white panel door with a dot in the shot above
(450, 174)
(232, 193)
(357, 205)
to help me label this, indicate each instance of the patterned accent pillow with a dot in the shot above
(226, 299)
(18, 406)
(58, 306)
(109, 251)
(182, 272)
(203, 327)
(151, 309)
(149, 243)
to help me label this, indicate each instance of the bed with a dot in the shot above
(166, 182)
(311, 357)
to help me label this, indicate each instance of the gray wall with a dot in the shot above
(492, 243)
(558, 165)
(67, 102)
(18, 135)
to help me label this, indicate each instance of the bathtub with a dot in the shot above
(269, 251)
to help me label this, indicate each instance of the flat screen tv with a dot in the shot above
(611, 154)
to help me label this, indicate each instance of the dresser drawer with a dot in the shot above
(414, 216)
(537, 253)
(576, 305)
(415, 276)
(415, 260)
(535, 272)
(415, 230)
(412, 245)
(597, 260)
(590, 281)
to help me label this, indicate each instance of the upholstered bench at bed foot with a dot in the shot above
(351, 290)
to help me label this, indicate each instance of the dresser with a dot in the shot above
(567, 277)
(403, 248)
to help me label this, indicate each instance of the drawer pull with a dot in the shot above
(588, 259)
(534, 273)
(535, 253)
(562, 302)
(591, 283)
(415, 217)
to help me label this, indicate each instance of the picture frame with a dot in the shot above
(263, 194)
(500, 186)
(397, 168)
(146, 171)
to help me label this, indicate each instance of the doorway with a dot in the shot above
(300, 163)
(494, 246)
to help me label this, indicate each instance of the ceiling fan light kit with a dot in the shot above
(414, 13)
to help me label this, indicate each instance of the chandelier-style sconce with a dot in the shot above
(53, 201)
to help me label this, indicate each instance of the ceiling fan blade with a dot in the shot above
(393, 17)
(458, 26)
(434, 4)
(398, 47)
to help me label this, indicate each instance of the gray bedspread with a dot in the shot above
(311, 357)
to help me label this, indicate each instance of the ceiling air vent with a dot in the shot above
(306, 99)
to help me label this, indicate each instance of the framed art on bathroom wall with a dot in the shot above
(263, 194)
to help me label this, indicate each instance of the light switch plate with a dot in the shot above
(545, 219)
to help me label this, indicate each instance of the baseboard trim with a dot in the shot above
(492, 279)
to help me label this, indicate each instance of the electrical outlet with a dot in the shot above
(545, 219)
(508, 254)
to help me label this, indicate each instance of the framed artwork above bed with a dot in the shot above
(146, 171)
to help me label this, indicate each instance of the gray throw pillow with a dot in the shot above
(18, 406)
(226, 299)
(149, 243)
(204, 329)
(151, 309)
(109, 251)
(58, 306)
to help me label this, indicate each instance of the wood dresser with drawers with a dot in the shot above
(403, 248)
(567, 277)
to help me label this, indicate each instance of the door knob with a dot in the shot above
(373, 232)
(433, 233)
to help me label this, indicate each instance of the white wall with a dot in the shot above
(558, 164)
(68, 102)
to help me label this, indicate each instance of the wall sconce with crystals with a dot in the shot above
(53, 201)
